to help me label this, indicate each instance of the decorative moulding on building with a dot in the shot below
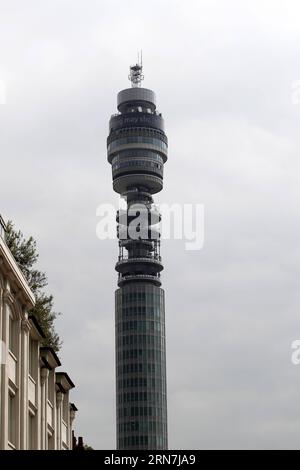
(36, 330)
(73, 407)
(73, 410)
(63, 382)
(15, 275)
(49, 358)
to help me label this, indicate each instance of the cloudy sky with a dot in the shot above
(227, 78)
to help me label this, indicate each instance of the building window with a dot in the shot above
(32, 358)
(65, 407)
(50, 442)
(12, 418)
(12, 338)
(51, 386)
(31, 432)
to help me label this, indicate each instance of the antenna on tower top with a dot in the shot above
(136, 72)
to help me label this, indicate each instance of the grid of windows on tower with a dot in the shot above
(137, 140)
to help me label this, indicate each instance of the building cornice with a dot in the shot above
(49, 358)
(16, 275)
(36, 328)
(63, 382)
(73, 407)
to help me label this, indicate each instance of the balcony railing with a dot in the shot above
(154, 112)
(154, 258)
(122, 278)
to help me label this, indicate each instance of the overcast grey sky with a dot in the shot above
(223, 72)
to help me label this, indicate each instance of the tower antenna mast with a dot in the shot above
(136, 72)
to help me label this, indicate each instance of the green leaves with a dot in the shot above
(43, 311)
(26, 255)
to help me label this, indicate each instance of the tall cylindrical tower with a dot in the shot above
(137, 150)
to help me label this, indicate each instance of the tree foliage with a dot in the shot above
(26, 255)
(87, 447)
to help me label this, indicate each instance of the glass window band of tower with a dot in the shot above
(137, 131)
(132, 162)
(136, 139)
(139, 160)
(137, 154)
(128, 131)
(130, 166)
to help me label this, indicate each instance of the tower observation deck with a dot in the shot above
(137, 149)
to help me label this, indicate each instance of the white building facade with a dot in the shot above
(35, 411)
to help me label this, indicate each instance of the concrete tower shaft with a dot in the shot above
(137, 150)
